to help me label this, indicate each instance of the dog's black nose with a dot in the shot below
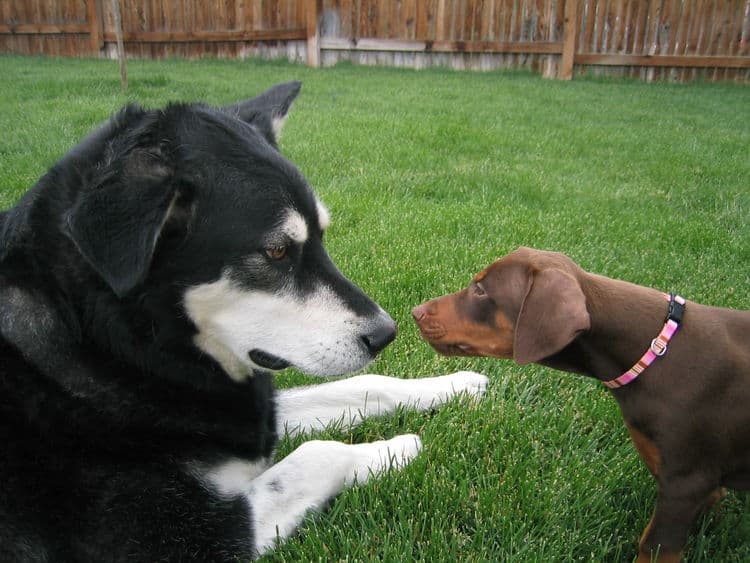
(380, 336)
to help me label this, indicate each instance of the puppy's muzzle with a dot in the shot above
(429, 325)
(420, 311)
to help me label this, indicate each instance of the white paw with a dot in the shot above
(375, 458)
(469, 382)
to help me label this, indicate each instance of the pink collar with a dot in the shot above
(658, 345)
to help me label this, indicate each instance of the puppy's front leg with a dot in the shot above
(314, 473)
(679, 502)
(349, 401)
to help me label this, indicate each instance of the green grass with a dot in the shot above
(430, 176)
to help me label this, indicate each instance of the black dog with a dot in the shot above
(149, 284)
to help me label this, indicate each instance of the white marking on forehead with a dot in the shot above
(294, 226)
(324, 217)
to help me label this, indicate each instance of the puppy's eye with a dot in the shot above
(276, 252)
(479, 290)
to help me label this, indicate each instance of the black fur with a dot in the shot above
(105, 403)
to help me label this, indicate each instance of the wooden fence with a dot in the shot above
(151, 28)
(651, 39)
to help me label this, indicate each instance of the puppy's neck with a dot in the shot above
(625, 317)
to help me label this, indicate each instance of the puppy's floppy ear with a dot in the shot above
(267, 111)
(553, 313)
(116, 223)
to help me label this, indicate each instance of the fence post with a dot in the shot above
(95, 27)
(120, 45)
(570, 31)
(313, 33)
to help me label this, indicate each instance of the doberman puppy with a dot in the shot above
(685, 401)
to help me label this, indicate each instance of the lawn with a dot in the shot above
(430, 176)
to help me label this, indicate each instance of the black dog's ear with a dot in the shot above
(116, 224)
(267, 111)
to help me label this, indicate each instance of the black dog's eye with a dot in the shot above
(276, 252)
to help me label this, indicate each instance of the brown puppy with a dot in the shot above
(687, 412)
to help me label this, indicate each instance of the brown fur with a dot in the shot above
(687, 413)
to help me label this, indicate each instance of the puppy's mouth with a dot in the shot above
(432, 331)
(449, 348)
(435, 335)
(453, 349)
(267, 361)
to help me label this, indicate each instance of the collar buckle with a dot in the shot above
(658, 345)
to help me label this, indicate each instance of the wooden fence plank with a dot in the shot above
(700, 61)
(312, 33)
(445, 46)
(120, 46)
(639, 28)
(44, 29)
(208, 36)
(630, 16)
(95, 27)
(570, 24)
(745, 36)
(588, 29)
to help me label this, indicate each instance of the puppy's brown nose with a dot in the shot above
(419, 312)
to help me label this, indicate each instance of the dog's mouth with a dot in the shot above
(433, 332)
(455, 349)
(267, 361)
(459, 350)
